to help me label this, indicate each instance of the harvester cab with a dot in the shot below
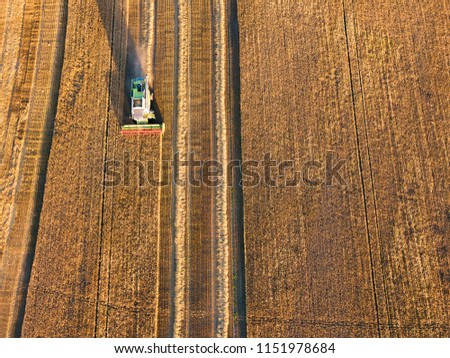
(143, 119)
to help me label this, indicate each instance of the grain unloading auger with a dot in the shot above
(142, 116)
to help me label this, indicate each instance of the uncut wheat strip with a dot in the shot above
(180, 199)
(221, 237)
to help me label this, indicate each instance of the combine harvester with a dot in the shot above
(143, 117)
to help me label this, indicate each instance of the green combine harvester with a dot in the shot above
(142, 116)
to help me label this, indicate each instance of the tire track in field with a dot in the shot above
(220, 150)
(180, 197)
(360, 165)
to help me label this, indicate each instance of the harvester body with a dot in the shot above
(142, 116)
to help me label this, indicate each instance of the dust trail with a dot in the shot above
(136, 59)
(180, 198)
(221, 237)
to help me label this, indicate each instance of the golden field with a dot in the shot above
(309, 83)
